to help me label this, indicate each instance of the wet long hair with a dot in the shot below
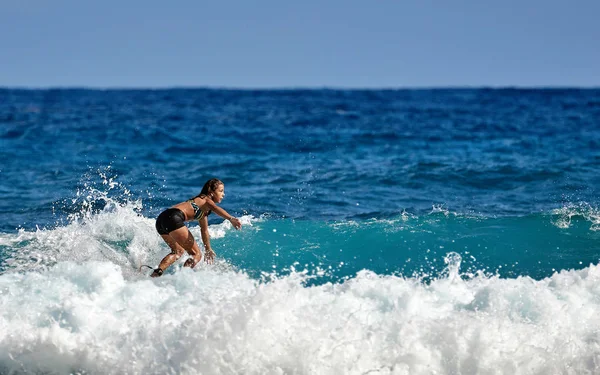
(210, 186)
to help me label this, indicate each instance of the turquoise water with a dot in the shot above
(392, 231)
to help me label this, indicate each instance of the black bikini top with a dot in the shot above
(198, 213)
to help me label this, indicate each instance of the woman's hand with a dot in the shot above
(237, 224)
(209, 255)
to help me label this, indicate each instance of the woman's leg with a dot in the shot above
(176, 252)
(180, 240)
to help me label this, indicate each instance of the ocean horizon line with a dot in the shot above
(300, 88)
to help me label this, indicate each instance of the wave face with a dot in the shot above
(384, 232)
(415, 246)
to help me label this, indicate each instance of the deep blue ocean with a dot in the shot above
(447, 231)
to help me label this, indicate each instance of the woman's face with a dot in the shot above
(218, 194)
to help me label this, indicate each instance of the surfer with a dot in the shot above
(170, 224)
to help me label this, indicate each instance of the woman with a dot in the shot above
(170, 224)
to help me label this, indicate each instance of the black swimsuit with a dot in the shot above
(169, 220)
(173, 218)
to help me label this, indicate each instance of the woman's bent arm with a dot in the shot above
(221, 212)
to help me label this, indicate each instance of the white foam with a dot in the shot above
(88, 317)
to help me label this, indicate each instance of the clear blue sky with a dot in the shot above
(394, 43)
